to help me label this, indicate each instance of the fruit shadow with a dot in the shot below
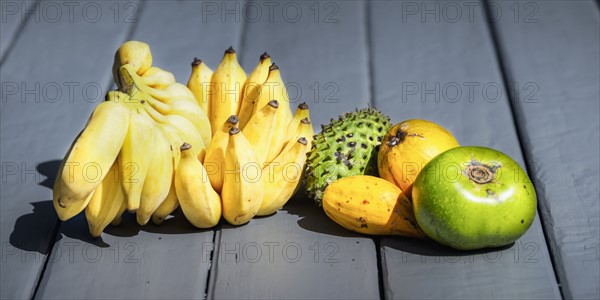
(424, 246)
(31, 231)
(312, 217)
(428, 247)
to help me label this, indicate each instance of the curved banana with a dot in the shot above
(304, 129)
(170, 204)
(171, 93)
(158, 78)
(259, 130)
(301, 113)
(243, 188)
(136, 156)
(199, 83)
(274, 88)
(193, 113)
(228, 81)
(252, 89)
(106, 202)
(198, 117)
(158, 179)
(282, 177)
(135, 53)
(93, 152)
(200, 204)
(118, 218)
(214, 161)
(166, 208)
(66, 212)
(188, 132)
(160, 111)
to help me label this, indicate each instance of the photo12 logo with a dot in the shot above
(69, 11)
(468, 91)
(270, 11)
(469, 11)
(51, 92)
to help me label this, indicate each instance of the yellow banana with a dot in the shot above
(170, 204)
(136, 156)
(274, 88)
(158, 78)
(171, 93)
(252, 89)
(198, 117)
(282, 177)
(94, 151)
(295, 129)
(166, 208)
(228, 80)
(118, 218)
(304, 129)
(200, 204)
(243, 188)
(199, 83)
(259, 129)
(177, 99)
(193, 113)
(135, 53)
(158, 179)
(106, 202)
(188, 132)
(66, 212)
(214, 162)
(301, 113)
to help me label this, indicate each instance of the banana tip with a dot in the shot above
(303, 141)
(273, 67)
(264, 56)
(273, 103)
(305, 121)
(233, 119)
(230, 50)
(196, 62)
(234, 131)
(185, 146)
(303, 105)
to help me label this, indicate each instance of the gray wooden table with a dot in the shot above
(519, 76)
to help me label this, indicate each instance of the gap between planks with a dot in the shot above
(515, 110)
(58, 224)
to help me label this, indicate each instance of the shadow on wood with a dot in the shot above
(26, 234)
(313, 218)
(429, 247)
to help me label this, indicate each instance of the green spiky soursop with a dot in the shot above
(347, 146)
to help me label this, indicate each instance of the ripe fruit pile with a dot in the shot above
(430, 186)
(224, 145)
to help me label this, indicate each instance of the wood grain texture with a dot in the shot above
(132, 261)
(43, 108)
(331, 59)
(445, 70)
(554, 55)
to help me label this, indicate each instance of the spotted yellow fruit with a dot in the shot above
(370, 205)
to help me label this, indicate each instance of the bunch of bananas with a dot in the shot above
(224, 145)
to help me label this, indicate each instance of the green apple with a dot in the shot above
(473, 197)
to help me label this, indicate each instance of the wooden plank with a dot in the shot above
(554, 47)
(334, 263)
(159, 262)
(13, 15)
(42, 109)
(430, 64)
